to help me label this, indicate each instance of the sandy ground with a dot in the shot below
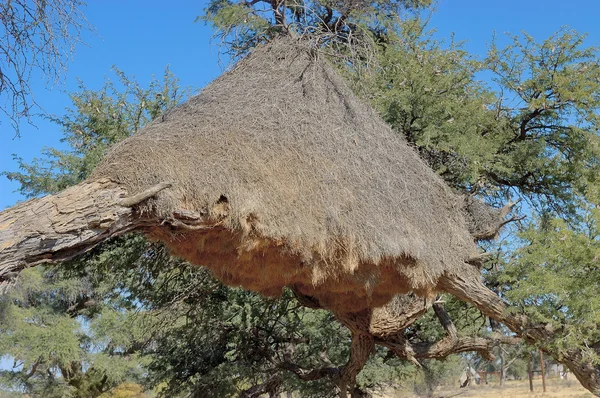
(555, 388)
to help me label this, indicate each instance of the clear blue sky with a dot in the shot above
(143, 37)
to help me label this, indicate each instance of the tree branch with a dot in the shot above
(60, 227)
(309, 375)
(468, 287)
(523, 125)
(270, 386)
(83, 303)
(142, 196)
(445, 320)
(397, 315)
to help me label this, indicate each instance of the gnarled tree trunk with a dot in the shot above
(60, 227)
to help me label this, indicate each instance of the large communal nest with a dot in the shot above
(306, 186)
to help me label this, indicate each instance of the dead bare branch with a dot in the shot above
(37, 38)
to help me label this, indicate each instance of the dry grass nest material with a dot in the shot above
(306, 184)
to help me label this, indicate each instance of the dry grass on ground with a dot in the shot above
(555, 388)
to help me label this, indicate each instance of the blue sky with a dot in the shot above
(143, 37)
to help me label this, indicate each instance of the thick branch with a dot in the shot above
(468, 287)
(397, 315)
(445, 320)
(360, 350)
(446, 346)
(62, 226)
(270, 386)
(452, 343)
(522, 134)
(33, 369)
(59, 227)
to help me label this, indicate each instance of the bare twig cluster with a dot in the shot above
(36, 37)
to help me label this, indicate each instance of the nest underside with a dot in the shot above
(309, 186)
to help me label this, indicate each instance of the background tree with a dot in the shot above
(63, 341)
(346, 26)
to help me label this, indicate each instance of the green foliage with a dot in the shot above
(426, 91)
(552, 96)
(382, 370)
(531, 133)
(435, 373)
(535, 135)
(518, 369)
(51, 343)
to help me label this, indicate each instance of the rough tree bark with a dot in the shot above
(60, 227)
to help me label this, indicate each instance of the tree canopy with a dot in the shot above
(130, 312)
